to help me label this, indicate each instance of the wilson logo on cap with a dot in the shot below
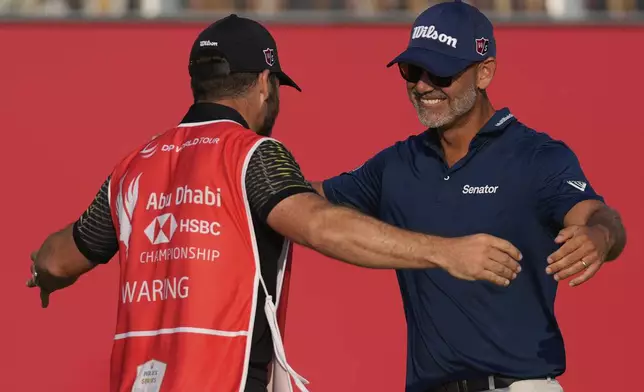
(430, 32)
(208, 43)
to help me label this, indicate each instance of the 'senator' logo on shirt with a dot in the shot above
(478, 190)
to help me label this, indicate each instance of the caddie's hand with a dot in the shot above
(481, 257)
(46, 282)
(584, 249)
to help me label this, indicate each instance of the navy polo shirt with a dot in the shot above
(516, 184)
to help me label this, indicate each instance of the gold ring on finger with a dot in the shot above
(584, 263)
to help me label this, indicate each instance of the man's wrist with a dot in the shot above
(607, 235)
(51, 282)
(435, 255)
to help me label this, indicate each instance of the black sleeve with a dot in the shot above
(272, 176)
(94, 232)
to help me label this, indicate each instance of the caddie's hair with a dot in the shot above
(211, 80)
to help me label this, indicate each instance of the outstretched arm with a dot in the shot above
(279, 195)
(345, 234)
(75, 250)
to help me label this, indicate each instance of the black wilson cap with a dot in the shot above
(246, 45)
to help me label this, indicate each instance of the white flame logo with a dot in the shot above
(125, 209)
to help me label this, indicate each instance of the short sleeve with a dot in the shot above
(560, 181)
(273, 175)
(94, 232)
(359, 188)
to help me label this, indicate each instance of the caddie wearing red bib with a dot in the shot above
(198, 252)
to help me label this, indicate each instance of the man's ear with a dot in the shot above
(485, 73)
(264, 85)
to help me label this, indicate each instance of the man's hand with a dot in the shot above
(584, 249)
(481, 257)
(47, 283)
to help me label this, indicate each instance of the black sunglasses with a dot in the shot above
(413, 74)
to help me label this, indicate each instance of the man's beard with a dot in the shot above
(457, 107)
(272, 111)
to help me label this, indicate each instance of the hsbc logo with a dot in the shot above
(162, 229)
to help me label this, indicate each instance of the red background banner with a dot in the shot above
(76, 98)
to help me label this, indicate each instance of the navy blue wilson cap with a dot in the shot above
(447, 38)
(246, 45)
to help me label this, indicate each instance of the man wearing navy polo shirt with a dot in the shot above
(477, 169)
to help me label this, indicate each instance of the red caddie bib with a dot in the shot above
(189, 265)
